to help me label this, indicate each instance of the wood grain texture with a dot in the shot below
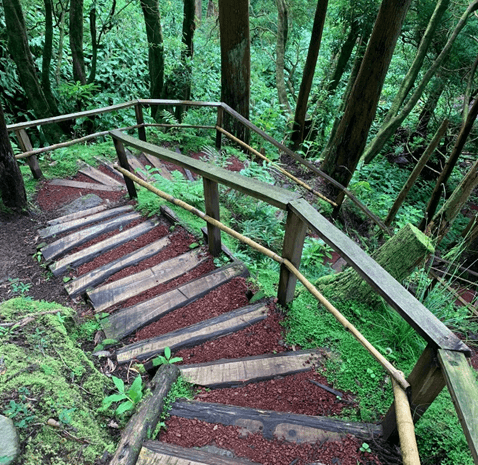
(289, 426)
(195, 334)
(160, 453)
(85, 255)
(417, 315)
(463, 389)
(113, 293)
(257, 189)
(94, 277)
(146, 418)
(85, 185)
(99, 176)
(68, 226)
(156, 163)
(125, 321)
(73, 240)
(237, 372)
(137, 167)
(75, 216)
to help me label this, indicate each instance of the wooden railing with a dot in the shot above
(444, 360)
(442, 363)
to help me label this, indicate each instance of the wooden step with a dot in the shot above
(189, 175)
(85, 255)
(99, 176)
(275, 425)
(156, 163)
(161, 453)
(125, 321)
(94, 277)
(237, 372)
(80, 222)
(75, 216)
(136, 166)
(73, 240)
(195, 334)
(130, 286)
(85, 185)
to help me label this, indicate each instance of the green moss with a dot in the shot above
(48, 377)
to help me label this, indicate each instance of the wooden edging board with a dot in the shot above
(94, 277)
(275, 425)
(257, 189)
(99, 176)
(85, 185)
(463, 389)
(76, 215)
(127, 320)
(193, 335)
(415, 313)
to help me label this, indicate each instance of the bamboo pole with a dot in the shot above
(70, 142)
(392, 371)
(405, 426)
(276, 166)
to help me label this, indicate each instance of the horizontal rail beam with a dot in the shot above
(273, 195)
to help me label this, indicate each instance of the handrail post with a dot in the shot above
(123, 162)
(427, 381)
(26, 146)
(211, 200)
(295, 230)
(138, 109)
(220, 117)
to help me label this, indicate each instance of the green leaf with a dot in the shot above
(119, 383)
(107, 401)
(159, 360)
(124, 407)
(66, 279)
(135, 392)
(176, 359)
(167, 353)
(193, 245)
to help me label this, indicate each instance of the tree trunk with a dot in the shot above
(400, 255)
(94, 45)
(12, 189)
(469, 89)
(450, 164)
(429, 108)
(198, 10)
(235, 62)
(352, 132)
(20, 51)
(417, 64)
(298, 135)
(59, 58)
(388, 129)
(47, 53)
(76, 41)
(282, 33)
(443, 220)
(152, 19)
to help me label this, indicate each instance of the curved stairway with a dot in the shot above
(134, 296)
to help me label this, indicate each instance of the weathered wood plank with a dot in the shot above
(85, 255)
(85, 185)
(137, 167)
(160, 453)
(26, 146)
(417, 315)
(275, 425)
(463, 389)
(75, 216)
(195, 334)
(257, 189)
(125, 321)
(80, 222)
(73, 240)
(237, 372)
(94, 277)
(130, 286)
(211, 202)
(99, 176)
(156, 163)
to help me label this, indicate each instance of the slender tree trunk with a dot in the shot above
(309, 69)
(388, 129)
(198, 10)
(47, 53)
(351, 135)
(94, 45)
(469, 89)
(76, 41)
(20, 51)
(450, 164)
(282, 33)
(429, 108)
(12, 189)
(60, 46)
(152, 19)
(235, 62)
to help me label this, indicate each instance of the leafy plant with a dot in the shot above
(166, 359)
(131, 397)
(19, 413)
(18, 287)
(365, 447)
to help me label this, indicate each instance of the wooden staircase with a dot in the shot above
(76, 240)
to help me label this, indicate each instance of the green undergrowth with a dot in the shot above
(46, 376)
